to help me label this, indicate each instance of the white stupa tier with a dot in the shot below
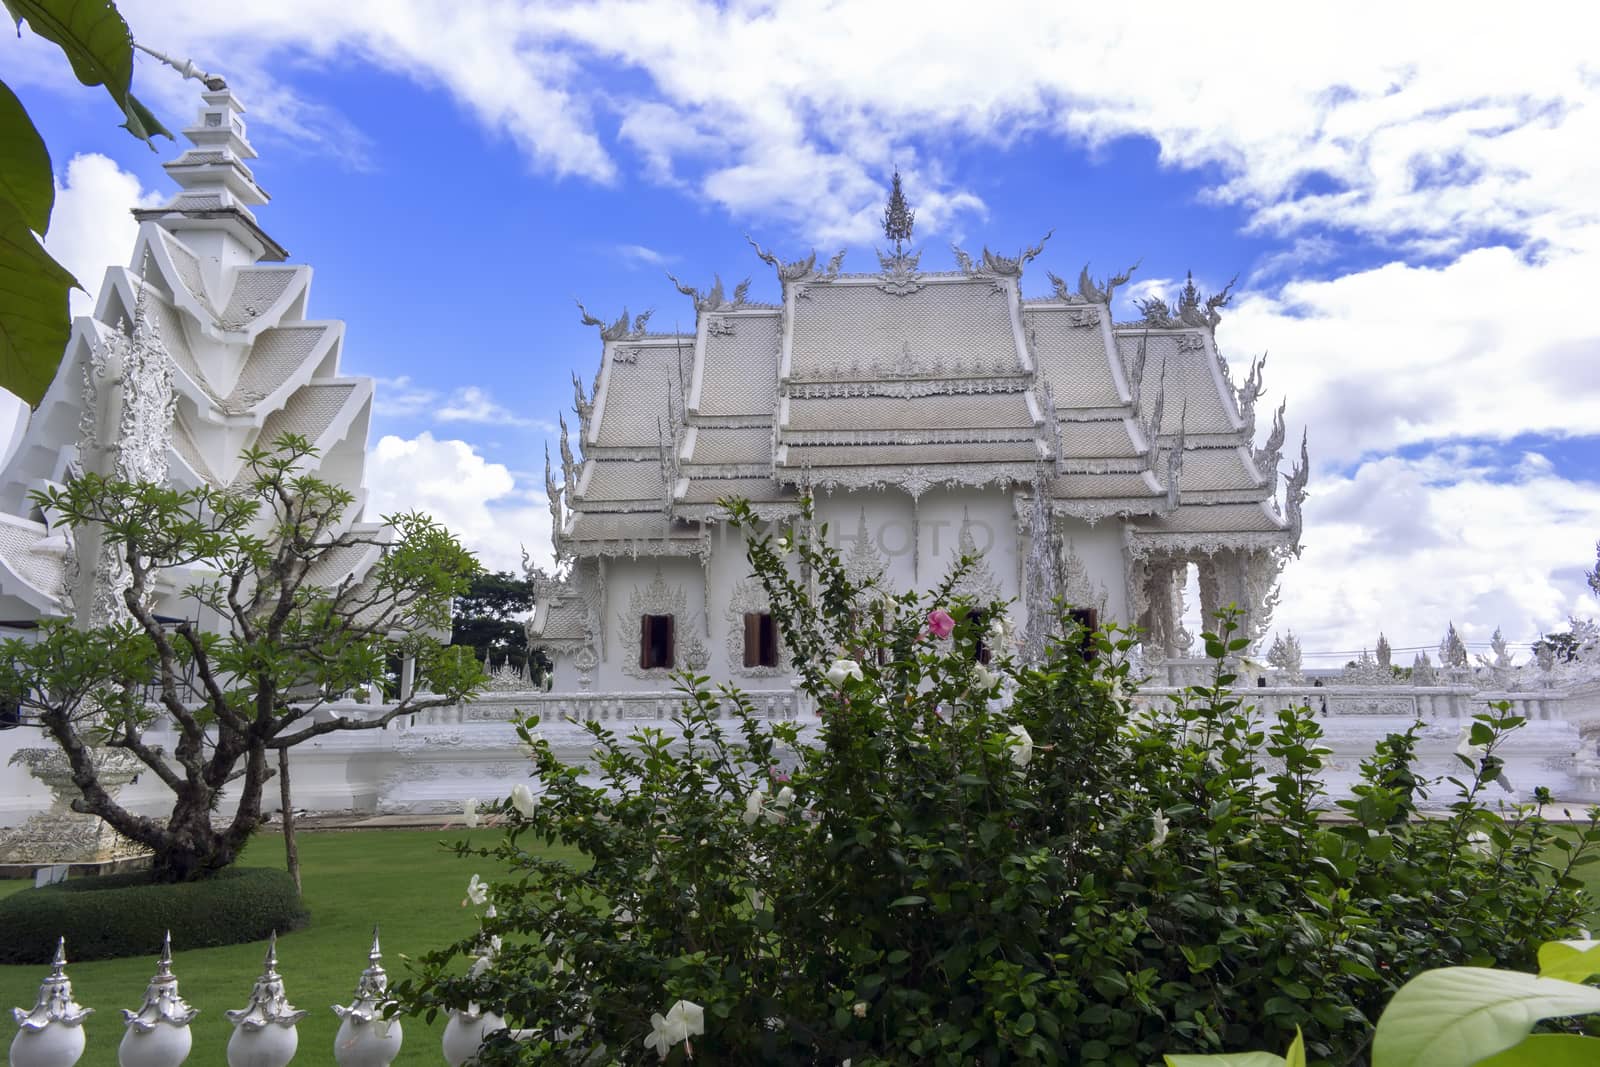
(200, 348)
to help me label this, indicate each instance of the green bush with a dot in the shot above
(982, 864)
(127, 914)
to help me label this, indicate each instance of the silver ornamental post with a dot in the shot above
(264, 1033)
(365, 1037)
(157, 1035)
(51, 1035)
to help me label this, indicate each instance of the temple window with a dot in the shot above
(656, 642)
(1089, 621)
(760, 639)
(981, 652)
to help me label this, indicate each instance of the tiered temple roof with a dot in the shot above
(910, 379)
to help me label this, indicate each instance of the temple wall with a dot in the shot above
(1100, 547)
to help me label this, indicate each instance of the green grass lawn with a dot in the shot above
(401, 879)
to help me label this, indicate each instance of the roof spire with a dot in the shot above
(898, 218)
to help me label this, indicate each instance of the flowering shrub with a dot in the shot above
(971, 862)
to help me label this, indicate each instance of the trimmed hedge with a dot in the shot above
(127, 914)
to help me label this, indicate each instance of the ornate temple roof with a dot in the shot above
(901, 378)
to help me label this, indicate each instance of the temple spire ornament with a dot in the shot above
(51, 1033)
(365, 1037)
(264, 1030)
(157, 1034)
(898, 217)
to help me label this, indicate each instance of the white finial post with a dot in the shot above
(365, 1037)
(264, 1033)
(51, 1035)
(157, 1035)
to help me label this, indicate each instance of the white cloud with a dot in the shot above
(479, 501)
(1420, 128)
(1401, 545)
(92, 227)
(401, 397)
(642, 256)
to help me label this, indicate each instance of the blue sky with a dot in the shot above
(1411, 217)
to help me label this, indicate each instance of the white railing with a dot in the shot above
(54, 1033)
(597, 707)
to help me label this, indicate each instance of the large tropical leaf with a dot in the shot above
(1460, 1015)
(1548, 1050)
(99, 46)
(1572, 961)
(25, 164)
(33, 308)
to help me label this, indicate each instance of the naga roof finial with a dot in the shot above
(187, 68)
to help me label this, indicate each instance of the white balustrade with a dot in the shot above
(264, 1030)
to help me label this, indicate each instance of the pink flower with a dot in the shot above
(940, 623)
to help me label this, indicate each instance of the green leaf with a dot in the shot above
(1558, 959)
(1296, 1056)
(1549, 1050)
(907, 902)
(1228, 1059)
(25, 177)
(99, 47)
(1462, 1014)
(33, 309)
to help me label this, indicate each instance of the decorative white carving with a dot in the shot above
(1077, 588)
(899, 276)
(979, 584)
(748, 596)
(658, 598)
(864, 563)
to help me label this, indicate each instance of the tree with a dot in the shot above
(488, 619)
(274, 648)
(34, 322)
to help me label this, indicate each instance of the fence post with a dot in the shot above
(264, 1033)
(157, 1035)
(365, 1037)
(51, 1035)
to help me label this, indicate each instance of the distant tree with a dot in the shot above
(489, 620)
(34, 321)
(283, 647)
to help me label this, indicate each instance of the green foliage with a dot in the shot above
(488, 619)
(126, 914)
(290, 629)
(34, 292)
(970, 863)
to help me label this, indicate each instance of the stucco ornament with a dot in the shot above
(979, 583)
(51, 1033)
(265, 1030)
(157, 1034)
(658, 598)
(365, 1037)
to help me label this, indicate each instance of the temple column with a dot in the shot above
(408, 675)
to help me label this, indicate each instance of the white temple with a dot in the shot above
(199, 349)
(931, 414)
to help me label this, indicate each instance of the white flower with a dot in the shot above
(752, 809)
(1467, 750)
(1000, 628)
(1022, 745)
(683, 1020)
(523, 800)
(469, 812)
(490, 912)
(985, 678)
(784, 798)
(859, 1008)
(477, 892)
(1478, 842)
(842, 669)
(1159, 836)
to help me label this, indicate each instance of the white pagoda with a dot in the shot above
(930, 414)
(201, 348)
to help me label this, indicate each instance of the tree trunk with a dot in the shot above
(291, 851)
